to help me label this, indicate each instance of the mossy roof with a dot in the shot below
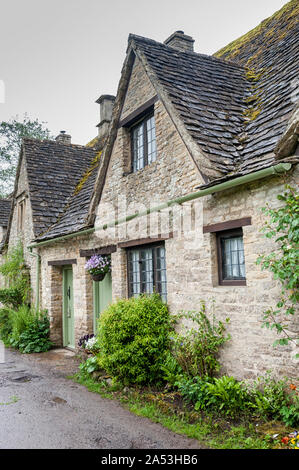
(236, 104)
(54, 171)
(5, 205)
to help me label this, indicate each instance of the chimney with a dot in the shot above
(63, 138)
(106, 103)
(180, 41)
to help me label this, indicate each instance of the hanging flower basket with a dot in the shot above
(98, 277)
(98, 266)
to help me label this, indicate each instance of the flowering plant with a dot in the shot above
(98, 264)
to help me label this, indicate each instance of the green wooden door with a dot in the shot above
(68, 308)
(102, 296)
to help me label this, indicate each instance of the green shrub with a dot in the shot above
(197, 346)
(90, 365)
(229, 396)
(30, 330)
(270, 397)
(289, 413)
(11, 297)
(171, 370)
(194, 390)
(17, 278)
(35, 337)
(20, 320)
(134, 339)
(5, 324)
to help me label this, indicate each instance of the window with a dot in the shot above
(21, 215)
(147, 271)
(144, 149)
(231, 261)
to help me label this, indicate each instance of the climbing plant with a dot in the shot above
(16, 276)
(283, 226)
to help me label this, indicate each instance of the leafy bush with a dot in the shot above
(134, 339)
(29, 330)
(194, 390)
(283, 261)
(196, 348)
(12, 296)
(228, 395)
(171, 370)
(17, 278)
(90, 365)
(5, 324)
(290, 412)
(35, 337)
(20, 320)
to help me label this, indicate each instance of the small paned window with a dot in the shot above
(144, 150)
(21, 215)
(231, 260)
(147, 271)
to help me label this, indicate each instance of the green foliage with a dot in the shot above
(134, 337)
(35, 337)
(197, 346)
(171, 370)
(269, 395)
(11, 135)
(25, 329)
(284, 261)
(195, 390)
(16, 275)
(289, 413)
(12, 296)
(228, 395)
(90, 365)
(5, 324)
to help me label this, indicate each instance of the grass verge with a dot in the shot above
(167, 408)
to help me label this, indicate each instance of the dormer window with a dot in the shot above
(144, 150)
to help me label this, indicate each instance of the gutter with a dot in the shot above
(257, 175)
(273, 170)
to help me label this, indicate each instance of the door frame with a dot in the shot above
(64, 300)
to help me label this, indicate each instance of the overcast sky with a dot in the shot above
(59, 56)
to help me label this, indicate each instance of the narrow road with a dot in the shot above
(41, 409)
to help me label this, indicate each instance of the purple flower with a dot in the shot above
(98, 264)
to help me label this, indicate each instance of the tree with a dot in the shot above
(283, 261)
(11, 135)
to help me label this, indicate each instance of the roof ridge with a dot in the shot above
(135, 37)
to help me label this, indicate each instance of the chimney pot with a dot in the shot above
(180, 41)
(106, 103)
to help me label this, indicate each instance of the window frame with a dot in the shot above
(142, 122)
(153, 247)
(237, 232)
(21, 207)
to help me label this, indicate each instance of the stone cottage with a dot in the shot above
(192, 147)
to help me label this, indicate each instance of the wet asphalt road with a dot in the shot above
(41, 409)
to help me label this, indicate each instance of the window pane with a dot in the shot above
(233, 258)
(151, 139)
(147, 271)
(138, 147)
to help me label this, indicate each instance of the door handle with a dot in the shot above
(69, 292)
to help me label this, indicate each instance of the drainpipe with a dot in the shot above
(37, 257)
(257, 175)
